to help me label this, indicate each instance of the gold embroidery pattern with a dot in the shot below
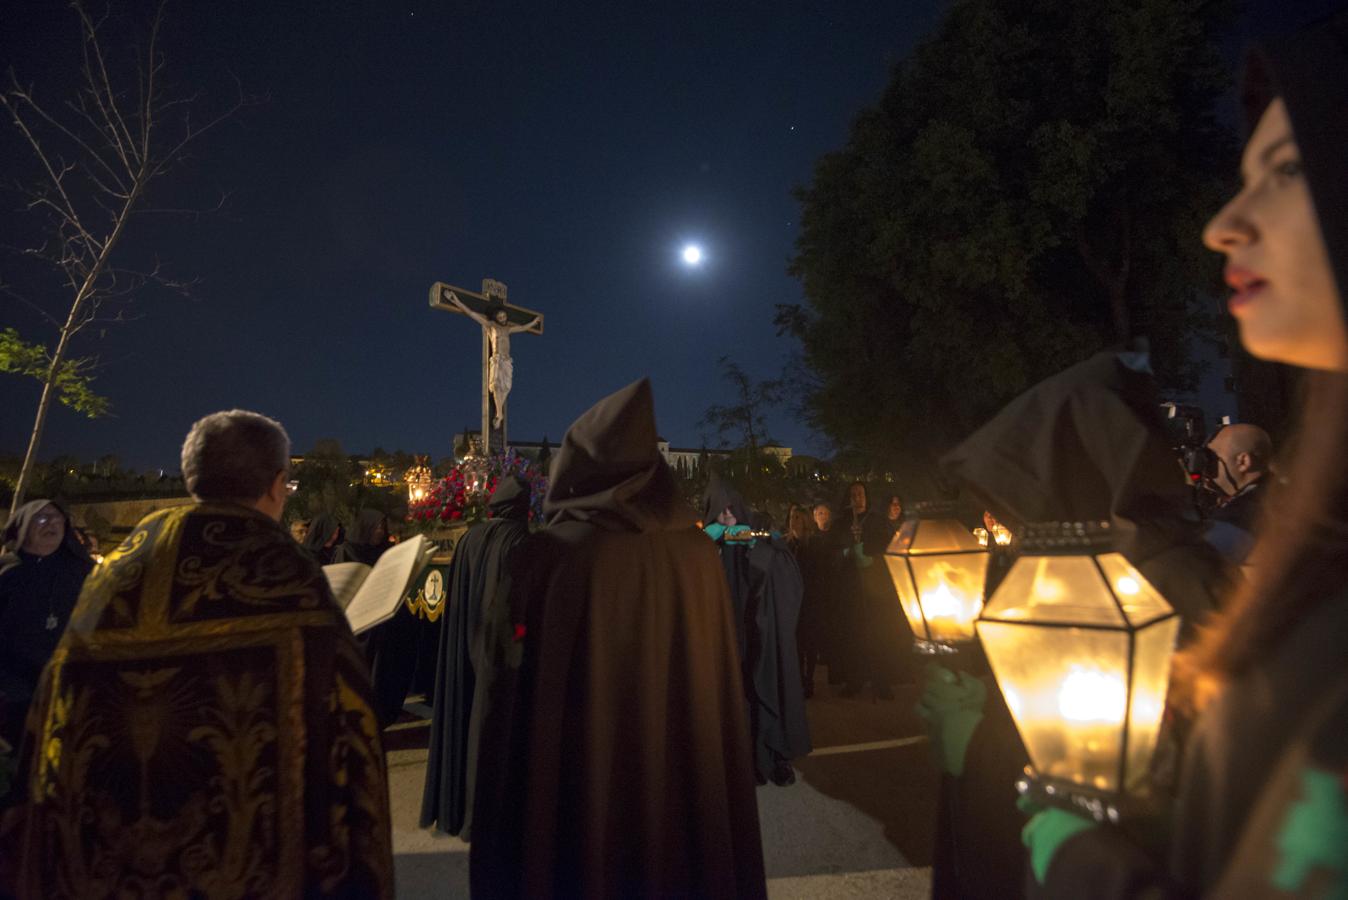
(172, 758)
(242, 563)
(356, 763)
(428, 603)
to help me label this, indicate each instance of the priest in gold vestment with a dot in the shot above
(204, 728)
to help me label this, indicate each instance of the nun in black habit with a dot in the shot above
(479, 563)
(41, 572)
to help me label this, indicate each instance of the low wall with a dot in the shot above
(113, 520)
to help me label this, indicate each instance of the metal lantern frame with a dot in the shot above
(419, 480)
(1094, 541)
(961, 544)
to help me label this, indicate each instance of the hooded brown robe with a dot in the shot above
(204, 728)
(615, 758)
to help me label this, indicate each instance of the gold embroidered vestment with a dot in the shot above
(204, 728)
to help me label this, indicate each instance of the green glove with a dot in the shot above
(952, 704)
(1047, 830)
(859, 557)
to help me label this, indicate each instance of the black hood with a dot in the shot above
(609, 472)
(363, 530)
(511, 499)
(1084, 445)
(321, 530)
(1309, 70)
(719, 495)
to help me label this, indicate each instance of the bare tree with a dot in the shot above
(95, 155)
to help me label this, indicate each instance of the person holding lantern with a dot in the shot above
(874, 636)
(1262, 802)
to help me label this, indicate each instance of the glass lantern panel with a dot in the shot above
(903, 586)
(951, 589)
(1066, 589)
(1140, 601)
(935, 536)
(1068, 692)
(1151, 676)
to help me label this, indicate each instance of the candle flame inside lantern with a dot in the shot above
(1092, 697)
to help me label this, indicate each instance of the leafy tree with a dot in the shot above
(92, 159)
(1030, 188)
(74, 379)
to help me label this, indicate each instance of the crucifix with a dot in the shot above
(499, 320)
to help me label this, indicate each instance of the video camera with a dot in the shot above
(1188, 436)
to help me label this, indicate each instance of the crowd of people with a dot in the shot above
(193, 716)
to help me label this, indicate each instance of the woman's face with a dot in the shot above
(726, 517)
(1285, 302)
(46, 532)
(823, 517)
(895, 511)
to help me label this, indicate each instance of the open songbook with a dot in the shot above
(370, 595)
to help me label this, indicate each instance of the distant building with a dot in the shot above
(685, 460)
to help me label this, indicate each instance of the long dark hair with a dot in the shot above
(1300, 555)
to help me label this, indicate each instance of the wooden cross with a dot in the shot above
(486, 308)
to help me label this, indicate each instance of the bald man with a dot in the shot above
(1243, 453)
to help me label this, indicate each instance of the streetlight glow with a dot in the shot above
(692, 254)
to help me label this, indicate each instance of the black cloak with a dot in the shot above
(35, 592)
(720, 495)
(390, 647)
(777, 713)
(616, 758)
(474, 574)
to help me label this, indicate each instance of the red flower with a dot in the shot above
(456, 514)
(519, 632)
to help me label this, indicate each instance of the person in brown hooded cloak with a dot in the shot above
(615, 756)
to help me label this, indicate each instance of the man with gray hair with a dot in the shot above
(205, 724)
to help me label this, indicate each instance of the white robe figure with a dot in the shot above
(500, 368)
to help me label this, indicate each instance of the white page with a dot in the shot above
(345, 580)
(378, 598)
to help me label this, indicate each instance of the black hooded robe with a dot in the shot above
(37, 595)
(777, 714)
(474, 574)
(391, 647)
(615, 754)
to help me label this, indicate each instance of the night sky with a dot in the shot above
(567, 151)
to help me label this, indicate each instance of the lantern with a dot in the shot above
(938, 570)
(1080, 643)
(419, 479)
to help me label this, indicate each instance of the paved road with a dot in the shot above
(857, 823)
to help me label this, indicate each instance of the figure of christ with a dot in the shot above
(500, 369)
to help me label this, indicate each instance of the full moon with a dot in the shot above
(692, 254)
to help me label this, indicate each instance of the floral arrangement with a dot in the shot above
(463, 494)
